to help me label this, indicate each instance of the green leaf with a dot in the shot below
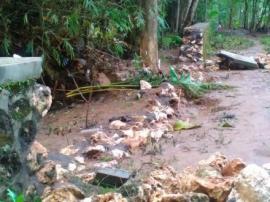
(12, 195)
(25, 19)
(20, 198)
(68, 48)
(183, 125)
(173, 75)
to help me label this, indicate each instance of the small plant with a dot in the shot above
(137, 61)
(13, 197)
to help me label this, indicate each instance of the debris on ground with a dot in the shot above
(144, 85)
(264, 60)
(215, 179)
(183, 125)
(112, 177)
(236, 62)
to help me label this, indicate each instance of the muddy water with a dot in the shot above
(246, 108)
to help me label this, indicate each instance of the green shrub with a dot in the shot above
(170, 41)
(266, 43)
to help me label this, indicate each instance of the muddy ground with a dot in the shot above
(233, 121)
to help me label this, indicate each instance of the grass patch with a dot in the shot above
(225, 41)
(265, 41)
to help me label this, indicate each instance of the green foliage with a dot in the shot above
(193, 89)
(170, 41)
(15, 87)
(13, 197)
(233, 14)
(218, 41)
(137, 61)
(62, 29)
(266, 43)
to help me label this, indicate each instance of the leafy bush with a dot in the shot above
(170, 40)
(60, 30)
(266, 42)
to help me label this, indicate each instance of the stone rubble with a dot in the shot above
(144, 85)
(216, 179)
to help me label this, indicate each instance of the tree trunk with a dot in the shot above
(246, 14)
(253, 19)
(188, 9)
(230, 15)
(149, 43)
(264, 11)
(191, 12)
(205, 11)
(177, 15)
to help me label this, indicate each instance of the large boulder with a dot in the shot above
(252, 185)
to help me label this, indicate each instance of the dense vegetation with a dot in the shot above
(62, 30)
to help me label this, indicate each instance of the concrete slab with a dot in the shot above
(19, 69)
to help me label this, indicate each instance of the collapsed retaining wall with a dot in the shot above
(193, 43)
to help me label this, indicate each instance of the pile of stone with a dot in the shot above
(264, 59)
(216, 179)
(192, 48)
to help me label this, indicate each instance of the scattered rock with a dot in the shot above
(109, 164)
(144, 85)
(36, 156)
(87, 177)
(169, 111)
(156, 116)
(94, 151)
(253, 184)
(79, 159)
(102, 79)
(189, 197)
(100, 138)
(134, 142)
(119, 154)
(233, 167)
(60, 172)
(117, 125)
(128, 133)
(69, 150)
(109, 197)
(144, 133)
(67, 193)
(157, 134)
(72, 167)
(47, 174)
